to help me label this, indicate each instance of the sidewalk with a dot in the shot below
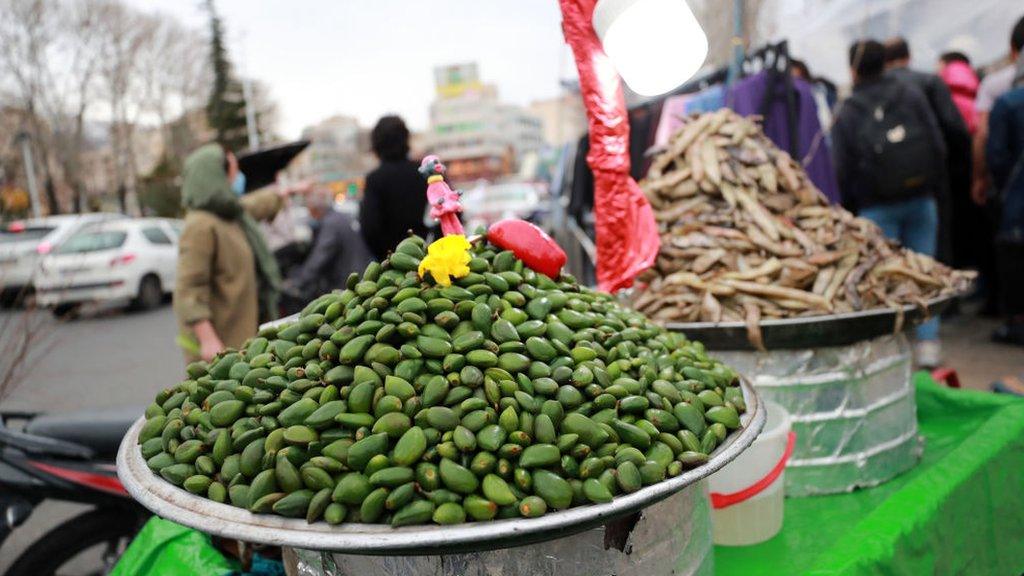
(977, 360)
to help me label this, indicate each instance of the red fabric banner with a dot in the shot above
(627, 235)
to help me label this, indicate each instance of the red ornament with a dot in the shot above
(627, 234)
(530, 244)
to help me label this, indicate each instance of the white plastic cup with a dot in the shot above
(759, 517)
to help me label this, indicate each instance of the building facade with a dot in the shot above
(563, 118)
(338, 150)
(474, 133)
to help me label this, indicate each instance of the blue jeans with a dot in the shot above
(915, 224)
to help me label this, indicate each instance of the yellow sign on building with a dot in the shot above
(456, 80)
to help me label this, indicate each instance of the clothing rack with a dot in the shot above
(768, 57)
(775, 60)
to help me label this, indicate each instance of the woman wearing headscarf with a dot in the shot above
(228, 280)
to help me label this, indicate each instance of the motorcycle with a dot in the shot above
(69, 458)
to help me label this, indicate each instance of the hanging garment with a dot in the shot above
(746, 97)
(821, 99)
(678, 107)
(707, 100)
(672, 114)
(643, 124)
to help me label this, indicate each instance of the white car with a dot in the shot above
(132, 259)
(24, 242)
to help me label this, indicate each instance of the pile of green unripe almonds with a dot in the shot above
(505, 395)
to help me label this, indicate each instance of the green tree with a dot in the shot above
(225, 110)
(160, 191)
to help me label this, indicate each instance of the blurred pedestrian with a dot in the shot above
(888, 156)
(227, 281)
(825, 92)
(970, 230)
(395, 197)
(954, 132)
(956, 71)
(1005, 154)
(940, 100)
(338, 248)
(994, 85)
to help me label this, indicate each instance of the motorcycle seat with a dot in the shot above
(98, 430)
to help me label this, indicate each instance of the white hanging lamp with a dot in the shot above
(655, 45)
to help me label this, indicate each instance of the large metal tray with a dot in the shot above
(173, 503)
(811, 331)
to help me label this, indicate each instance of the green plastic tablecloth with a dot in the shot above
(164, 548)
(960, 511)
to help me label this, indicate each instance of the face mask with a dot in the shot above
(238, 185)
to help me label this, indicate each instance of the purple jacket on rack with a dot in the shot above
(745, 98)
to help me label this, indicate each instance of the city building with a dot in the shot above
(563, 118)
(338, 150)
(476, 134)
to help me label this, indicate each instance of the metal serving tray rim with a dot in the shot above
(805, 320)
(173, 503)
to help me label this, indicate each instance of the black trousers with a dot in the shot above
(1010, 266)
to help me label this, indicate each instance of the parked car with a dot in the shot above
(133, 260)
(24, 242)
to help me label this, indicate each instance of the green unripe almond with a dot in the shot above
(398, 400)
(449, 513)
(457, 477)
(554, 489)
(497, 490)
(410, 447)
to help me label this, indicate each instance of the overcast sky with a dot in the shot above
(366, 58)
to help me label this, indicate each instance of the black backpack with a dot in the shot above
(897, 156)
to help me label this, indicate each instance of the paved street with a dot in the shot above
(110, 358)
(966, 346)
(104, 359)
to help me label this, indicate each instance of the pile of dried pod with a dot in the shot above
(746, 236)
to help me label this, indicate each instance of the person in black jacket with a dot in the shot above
(1005, 154)
(889, 154)
(940, 100)
(956, 177)
(395, 196)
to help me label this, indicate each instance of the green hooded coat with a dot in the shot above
(226, 272)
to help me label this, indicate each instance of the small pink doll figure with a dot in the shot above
(444, 202)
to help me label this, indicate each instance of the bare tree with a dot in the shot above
(125, 33)
(172, 71)
(24, 337)
(27, 32)
(73, 94)
(67, 63)
(265, 107)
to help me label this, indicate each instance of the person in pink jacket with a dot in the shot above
(955, 70)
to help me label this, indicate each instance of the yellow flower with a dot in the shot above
(446, 258)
